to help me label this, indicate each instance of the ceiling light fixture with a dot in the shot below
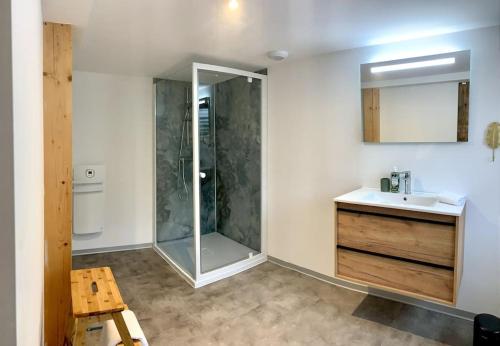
(233, 4)
(411, 65)
(277, 55)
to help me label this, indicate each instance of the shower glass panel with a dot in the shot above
(174, 173)
(209, 171)
(229, 137)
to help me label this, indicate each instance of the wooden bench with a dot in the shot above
(96, 298)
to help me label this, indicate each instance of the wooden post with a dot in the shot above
(122, 329)
(463, 112)
(371, 115)
(376, 114)
(57, 104)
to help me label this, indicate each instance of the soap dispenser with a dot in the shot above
(395, 180)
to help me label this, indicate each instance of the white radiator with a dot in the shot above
(88, 199)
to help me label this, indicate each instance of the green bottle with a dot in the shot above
(395, 180)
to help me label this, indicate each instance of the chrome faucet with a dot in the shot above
(406, 177)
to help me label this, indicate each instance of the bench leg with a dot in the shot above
(80, 328)
(68, 339)
(122, 329)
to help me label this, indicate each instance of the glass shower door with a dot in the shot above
(227, 168)
(209, 171)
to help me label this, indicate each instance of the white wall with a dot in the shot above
(419, 113)
(112, 125)
(316, 153)
(27, 70)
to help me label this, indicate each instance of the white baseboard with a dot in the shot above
(112, 249)
(448, 310)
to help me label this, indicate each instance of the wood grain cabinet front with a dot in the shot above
(403, 276)
(409, 253)
(424, 241)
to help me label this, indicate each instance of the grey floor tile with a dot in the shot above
(267, 305)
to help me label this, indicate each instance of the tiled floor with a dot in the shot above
(267, 305)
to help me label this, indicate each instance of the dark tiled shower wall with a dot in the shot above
(238, 157)
(174, 216)
(238, 152)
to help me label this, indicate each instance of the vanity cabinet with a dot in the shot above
(413, 253)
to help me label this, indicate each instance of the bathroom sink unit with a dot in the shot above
(416, 201)
(407, 244)
(422, 200)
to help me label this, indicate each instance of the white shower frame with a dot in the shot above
(201, 279)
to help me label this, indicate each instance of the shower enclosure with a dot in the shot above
(210, 164)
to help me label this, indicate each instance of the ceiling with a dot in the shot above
(161, 37)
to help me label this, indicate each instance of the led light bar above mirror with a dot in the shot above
(412, 65)
(422, 99)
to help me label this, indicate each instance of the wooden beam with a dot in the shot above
(57, 109)
(376, 115)
(463, 112)
(371, 115)
(367, 115)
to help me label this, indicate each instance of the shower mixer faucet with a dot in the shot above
(406, 177)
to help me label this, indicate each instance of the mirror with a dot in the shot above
(424, 99)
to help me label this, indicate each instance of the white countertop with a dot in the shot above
(374, 197)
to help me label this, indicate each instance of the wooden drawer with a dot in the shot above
(424, 241)
(399, 276)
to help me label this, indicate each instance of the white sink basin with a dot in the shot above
(398, 198)
(418, 201)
